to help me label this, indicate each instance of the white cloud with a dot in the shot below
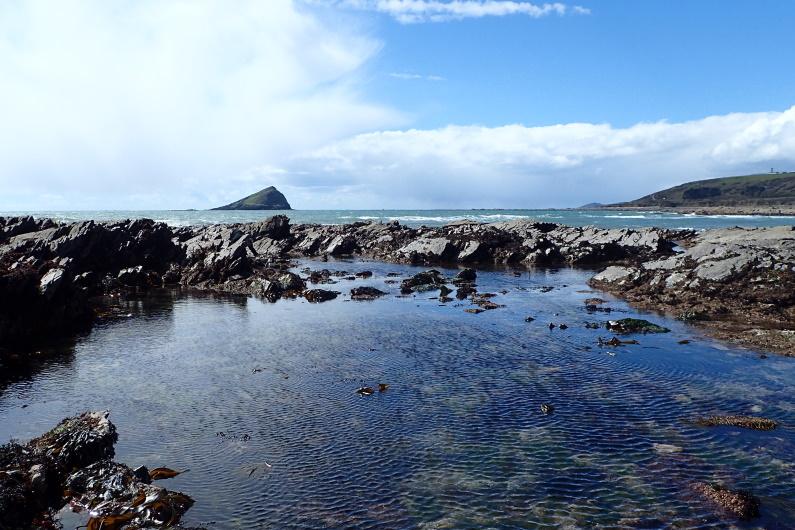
(414, 11)
(121, 104)
(518, 166)
(411, 76)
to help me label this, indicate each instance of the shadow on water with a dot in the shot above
(259, 401)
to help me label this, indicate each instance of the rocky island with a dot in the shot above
(266, 199)
(737, 283)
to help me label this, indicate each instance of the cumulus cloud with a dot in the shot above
(115, 104)
(535, 167)
(415, 11)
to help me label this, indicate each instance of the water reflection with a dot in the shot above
(258, 401)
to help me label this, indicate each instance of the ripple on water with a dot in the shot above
(258, 401)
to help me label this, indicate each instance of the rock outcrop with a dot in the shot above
(739, 283)
(72, 464)
(51, 274)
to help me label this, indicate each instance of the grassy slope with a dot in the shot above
(747, 190)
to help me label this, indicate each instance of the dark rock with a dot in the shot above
(366, 293)
(746, 422)
(635, 325)
(319, 295)
(615, 341)
(132, 277)
(547, 408)
(529, 319)
(276, 227)
(431, 279)
(739, 503)
(464, 290)
(466, 275)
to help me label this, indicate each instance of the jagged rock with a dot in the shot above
(276, 228)
(754, 268)
(429, 249)
(50, 282)
(341, 246)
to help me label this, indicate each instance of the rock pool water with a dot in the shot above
(258, 401)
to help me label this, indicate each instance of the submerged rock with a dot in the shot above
(746, 422)
(740, 503)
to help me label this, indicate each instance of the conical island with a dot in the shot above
(267, 199)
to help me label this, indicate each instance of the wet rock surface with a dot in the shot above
(53, 275)
(71, 464)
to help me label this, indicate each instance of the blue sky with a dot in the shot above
(110, 104)
(625, 62)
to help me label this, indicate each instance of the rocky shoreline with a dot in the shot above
(758, 210)
(56, 279)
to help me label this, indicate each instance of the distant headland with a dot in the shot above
(266, 199)
(760, 194)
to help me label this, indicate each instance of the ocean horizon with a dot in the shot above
(427, 217)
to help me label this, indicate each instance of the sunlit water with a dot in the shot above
(603, 218)
(457, 441)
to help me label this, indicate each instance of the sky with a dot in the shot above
(151, 104)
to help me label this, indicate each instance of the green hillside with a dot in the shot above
(767, 189)
(268, 199)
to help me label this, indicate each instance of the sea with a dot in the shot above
(574, 217)
(257, 402)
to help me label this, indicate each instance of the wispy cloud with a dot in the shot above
(410, 76)
(415, 11)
